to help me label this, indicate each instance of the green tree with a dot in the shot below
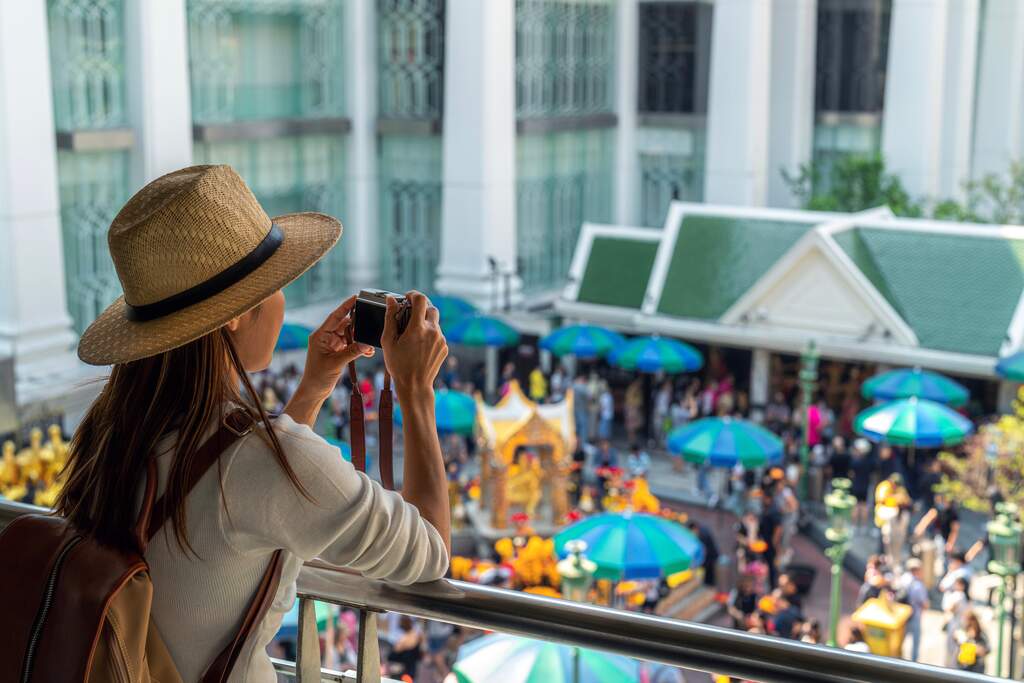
(851, 183)
(857, 182)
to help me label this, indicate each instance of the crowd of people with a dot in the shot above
(618, 424)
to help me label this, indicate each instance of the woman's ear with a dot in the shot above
(233, 324)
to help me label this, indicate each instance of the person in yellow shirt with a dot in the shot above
(892, 515)
(538, 385)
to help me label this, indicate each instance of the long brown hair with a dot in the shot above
(186, 389)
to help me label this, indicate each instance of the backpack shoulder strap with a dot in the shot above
(154, 514)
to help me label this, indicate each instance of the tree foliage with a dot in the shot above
(992, 467)
(857, 182)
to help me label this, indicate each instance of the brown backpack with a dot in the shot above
(76, 610)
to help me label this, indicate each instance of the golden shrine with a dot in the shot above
(526, 456)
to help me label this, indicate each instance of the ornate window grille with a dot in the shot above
(675, 57)
(665, 178)
(853, 42)
(565, 54)
(411, 58)
(235, 77)
(87, 65)
(275, 59)
(410, 211)
(563, 180)
(853, 45)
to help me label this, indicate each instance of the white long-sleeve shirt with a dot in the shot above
(198, 603)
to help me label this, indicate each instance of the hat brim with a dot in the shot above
(113, 338)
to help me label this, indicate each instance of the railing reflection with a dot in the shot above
(641, 636)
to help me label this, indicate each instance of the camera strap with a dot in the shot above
(385, 426)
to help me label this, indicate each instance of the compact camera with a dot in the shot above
(370, 311)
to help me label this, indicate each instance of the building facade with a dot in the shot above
(463, 143)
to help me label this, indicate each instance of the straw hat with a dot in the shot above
(194, 249)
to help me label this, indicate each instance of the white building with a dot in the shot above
(462, 142)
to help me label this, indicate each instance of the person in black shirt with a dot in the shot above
(839, 460)
(861, 467)
(769, 528)
(742, 602)
(710, 550)
(928, 481)
(941, 522)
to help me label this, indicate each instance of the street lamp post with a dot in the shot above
(840, 503)
(808, 383)
(1004, 533)
(577, 573)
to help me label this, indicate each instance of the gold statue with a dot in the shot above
(31, 459)
(642, 499)
(58, 446)
(524, 484)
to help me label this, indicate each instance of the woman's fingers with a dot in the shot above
(339, 315)
(433, 315)
(419, 306)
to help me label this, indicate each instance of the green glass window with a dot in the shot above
(87, 70)
(410, 211)
(563, 179)
(671, 168)
(411, 58)
(253, 60)
(262, 59)
(565, 55)
(850, 70)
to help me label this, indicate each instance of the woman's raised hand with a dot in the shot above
(330, 351)
(413, 358)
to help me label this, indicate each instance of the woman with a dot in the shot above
(973, 645)
(202, 267)
(408, 650)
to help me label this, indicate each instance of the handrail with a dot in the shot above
(642, 636)
(678, 643)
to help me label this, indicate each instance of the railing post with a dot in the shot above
(307, 656)
(368, 662)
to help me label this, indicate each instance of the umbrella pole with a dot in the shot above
(576, 665)
(492, 371)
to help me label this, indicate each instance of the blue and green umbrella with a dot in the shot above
(343, 446)
(725, 441)
(654, 354)
(511, 659)
(455, 412)
(914, 422)
(293, 337)
(1011, 367)
(583, 341)
(482, 330)
(633, 545)
(911, 382)
(451, 308)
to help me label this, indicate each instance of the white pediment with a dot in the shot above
(813, 289)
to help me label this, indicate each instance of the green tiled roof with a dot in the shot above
(957, 292)
(718, 258)
(617, 271)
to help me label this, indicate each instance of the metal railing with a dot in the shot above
(677, 643)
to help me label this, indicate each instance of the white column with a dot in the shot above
(927, 122)
(999, 124)
(34, 322)
(627, 182)
(961, 77)
(1006, 395)
(478, 213)
(760, 371)
(361, 243)
(157, 83)
(738, 105)
(794, 44)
